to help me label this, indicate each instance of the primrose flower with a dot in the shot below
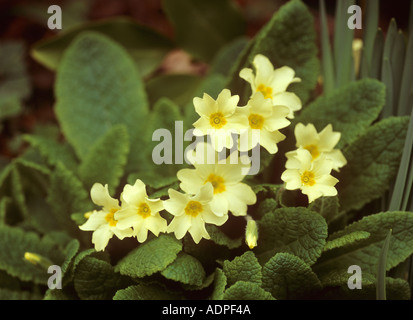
(312, 177)
(319, 143)
(251, 233)
(266, 118)
(273, 83)
(139, 212)
(192, 212)
(219, 118)
(230, 194)
(103, 222)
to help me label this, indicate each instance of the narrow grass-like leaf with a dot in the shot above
(386, 78)
(411, 19)
(376, 59)
(402, 185)
(343, 45)
(381, 272)
(404, 107)
(370, 30)
(327, 59)
(397, 65)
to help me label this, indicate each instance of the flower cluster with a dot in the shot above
(259, 121)
(213, 188)
(308, 168)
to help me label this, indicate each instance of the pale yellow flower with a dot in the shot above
(219, 118)
(139, 212)
(102, 222)
(311, 177)
(273, 83)
(265, 119)
(319, 143)
(230, 194)
(191, 212)
(251, 233)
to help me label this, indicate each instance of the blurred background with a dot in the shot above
(23, 23)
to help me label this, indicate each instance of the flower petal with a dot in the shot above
(282, 78)
(134, 195)
(288, 99)
(100, 196)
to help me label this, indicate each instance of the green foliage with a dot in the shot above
(185, 269)
(298, 231)
(373, 160)
(243, 268)
(291, 21)
(244, 290)
(152, 256)
(203, 27)
(117, 98)
(286, 276)
(350, 109)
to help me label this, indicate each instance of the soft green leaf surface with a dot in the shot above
(373, 160)
(298, 231)
(185, 269)
(144, 292)
(150, 257)
(243, 290)
(244, 267)
(286, 276)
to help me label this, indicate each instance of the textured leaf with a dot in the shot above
(373, 160)
(292, 21)
(365, 253)
(14, 242)
(95, 279)
(144, 292)
(203, 27)
(350, 109)
(243, 290)
(220, 282)
(328, 207)
(298, 231)
(150, 257)
(66, 196)
(6, 294)
(286, 276)
(220, 238)
(346, 240)
(146, 46)
(243, 268)
(185, 269)
(106, 159)
(97, 87)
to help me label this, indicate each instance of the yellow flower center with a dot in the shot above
(217, 120)
(193, 208)
(143, 210)
(110, 217)
(217, 182)
(256, 121)
(266, 91)
(313, 150)
(307, 178)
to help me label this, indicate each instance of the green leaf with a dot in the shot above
(292, 21)
(373, 160)
(6, 294)
(220, 282)
(150, 257)
(327, 58)
(220, 238)
(381, 270)
(243, 290)
(53, 151)
(144, 292)
(95, 279)
(106, 159)
(328, 207)
(146, 47)
(286, 276)
(185, 269)
(92, 97)
(203, 27)
(66, 196)
(365, 253)
(243, 268)
(346, 240)
(15, 242)
(179, 88)
(350, 109)
(298, 231)
(10, 106)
